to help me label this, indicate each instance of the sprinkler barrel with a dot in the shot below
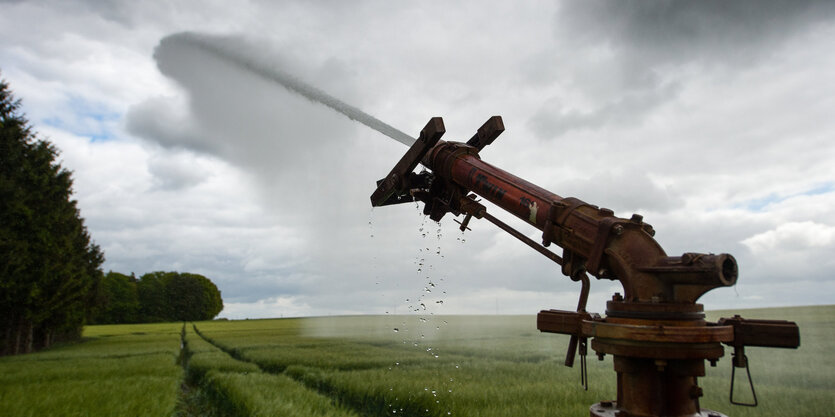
(655, 330)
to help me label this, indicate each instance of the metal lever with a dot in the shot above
(741, 361)
(487, 133)
(464, 223)
(584, 370)
(580, 275)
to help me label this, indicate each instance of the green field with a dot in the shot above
(361, 366)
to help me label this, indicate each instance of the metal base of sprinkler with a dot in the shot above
(610, 409)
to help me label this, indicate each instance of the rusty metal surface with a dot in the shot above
(396, 180)
(655, 330)
(765, 333)
(658, 333)
(487, 133)
(610, 409)
(606, 246)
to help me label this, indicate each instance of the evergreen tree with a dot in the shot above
(48, 265)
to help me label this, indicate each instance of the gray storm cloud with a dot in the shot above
(635, 59)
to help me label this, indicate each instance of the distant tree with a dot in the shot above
(48, 265)
(192, 297)
(153, 300)
(157, 297)
(118, 301)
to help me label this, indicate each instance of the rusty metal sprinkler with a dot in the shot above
(655, 330)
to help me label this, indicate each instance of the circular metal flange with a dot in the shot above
(659, 333)
(710, 351)
(655, 311)
(610, 409)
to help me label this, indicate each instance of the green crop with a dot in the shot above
(118, 370)
(379, 366)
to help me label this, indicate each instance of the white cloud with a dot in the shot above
(797, 236)
(717, 128)
(268, 307)
(793, 251)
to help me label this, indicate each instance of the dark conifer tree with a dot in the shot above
(48, 265)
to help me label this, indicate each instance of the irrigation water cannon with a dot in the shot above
(655, 330)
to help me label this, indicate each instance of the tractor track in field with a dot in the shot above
(191, 401)
(330, 392)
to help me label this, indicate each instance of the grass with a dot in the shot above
(350, 366)
(230, 387)
(502, 366)
(113, 372)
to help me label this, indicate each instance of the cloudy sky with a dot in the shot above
(713, 119)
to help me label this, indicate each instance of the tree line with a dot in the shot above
(48, 265)
(51, 282)
(156, 297)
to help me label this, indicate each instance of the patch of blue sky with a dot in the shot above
(821, 189)
(760, 204)
(86, 119)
